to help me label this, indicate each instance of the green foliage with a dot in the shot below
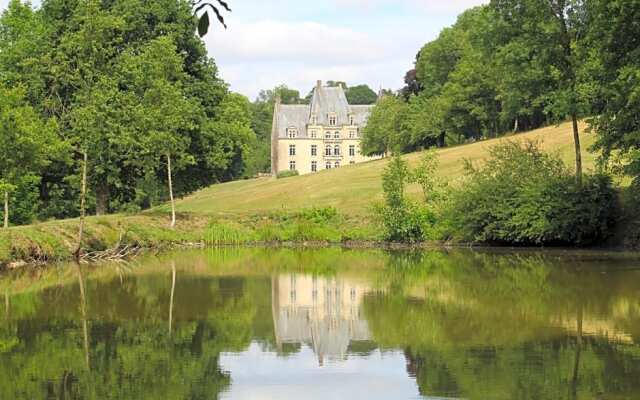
(524, 196)
(384, 131)
(425, 174)
(130, 83)
(287, 174)
(614, 64)
(402, 220)
(361, 94)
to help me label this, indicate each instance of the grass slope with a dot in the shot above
(352, 189)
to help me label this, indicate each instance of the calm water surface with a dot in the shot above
(325, 324)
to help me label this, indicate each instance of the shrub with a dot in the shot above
(402, 220)
(287, 174)
(526, 197)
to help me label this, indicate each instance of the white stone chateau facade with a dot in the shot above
(322, 135)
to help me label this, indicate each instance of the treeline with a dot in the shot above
(516, 65)
(124, 88)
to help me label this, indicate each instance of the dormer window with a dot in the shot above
(292, 133)
(314, 119)
(333, 119)
(313, 134)
(352, 121)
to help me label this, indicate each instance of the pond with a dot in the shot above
(326, 324)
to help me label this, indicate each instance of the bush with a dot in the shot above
(526, 197)
(287, 174)
(402, 220)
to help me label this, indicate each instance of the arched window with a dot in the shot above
(336, 135)
(327, 150)
(327, 135)
(337, 164)
(336, 150)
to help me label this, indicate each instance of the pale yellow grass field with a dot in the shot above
(352, 189)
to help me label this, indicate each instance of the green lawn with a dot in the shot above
(352, 189)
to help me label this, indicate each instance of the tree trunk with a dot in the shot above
(6, 209)
(576, 361)
(173, 289)
(173, 204)
(515, 126)
(576, 140)
(83, 195)
(83, 315)
(102, 198)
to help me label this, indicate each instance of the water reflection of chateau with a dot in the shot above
(321, 312)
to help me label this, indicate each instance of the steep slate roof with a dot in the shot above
(361, 114)
(293, 116)
(325, 101)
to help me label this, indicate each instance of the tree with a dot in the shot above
(384, 130)
(361, 94)
(25, 142)
(163, 112)
(615, 62)
(555, 29)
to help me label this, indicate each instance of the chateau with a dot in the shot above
(322, 135)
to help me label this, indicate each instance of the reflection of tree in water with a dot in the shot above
(124, 334)
(480, 326)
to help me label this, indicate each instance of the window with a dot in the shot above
(292, 133)
(337, 164)
(328, 166)
(292, 149)
(332, 119)
(352, 134)
(314, 119)
(351, 120)
(314, 134)
(314, 166)
(292, 165)
(352, 162)
(352, 150)
(314, 150)
(336, 135)
(327, 150)
(327, 135)
(336, 150)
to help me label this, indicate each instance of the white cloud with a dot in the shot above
(310, 42)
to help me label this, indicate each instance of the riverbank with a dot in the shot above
(56, 241)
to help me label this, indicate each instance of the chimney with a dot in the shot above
(318, 84)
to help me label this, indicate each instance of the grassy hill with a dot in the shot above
(351, 189)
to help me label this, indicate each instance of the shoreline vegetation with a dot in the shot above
(131, 235)
(357, 221)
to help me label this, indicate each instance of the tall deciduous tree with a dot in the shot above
(555, 29)
(615, 46)
(25, 143)
(385, 129)
(164, 113)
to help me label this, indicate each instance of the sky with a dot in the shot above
(297, 42)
